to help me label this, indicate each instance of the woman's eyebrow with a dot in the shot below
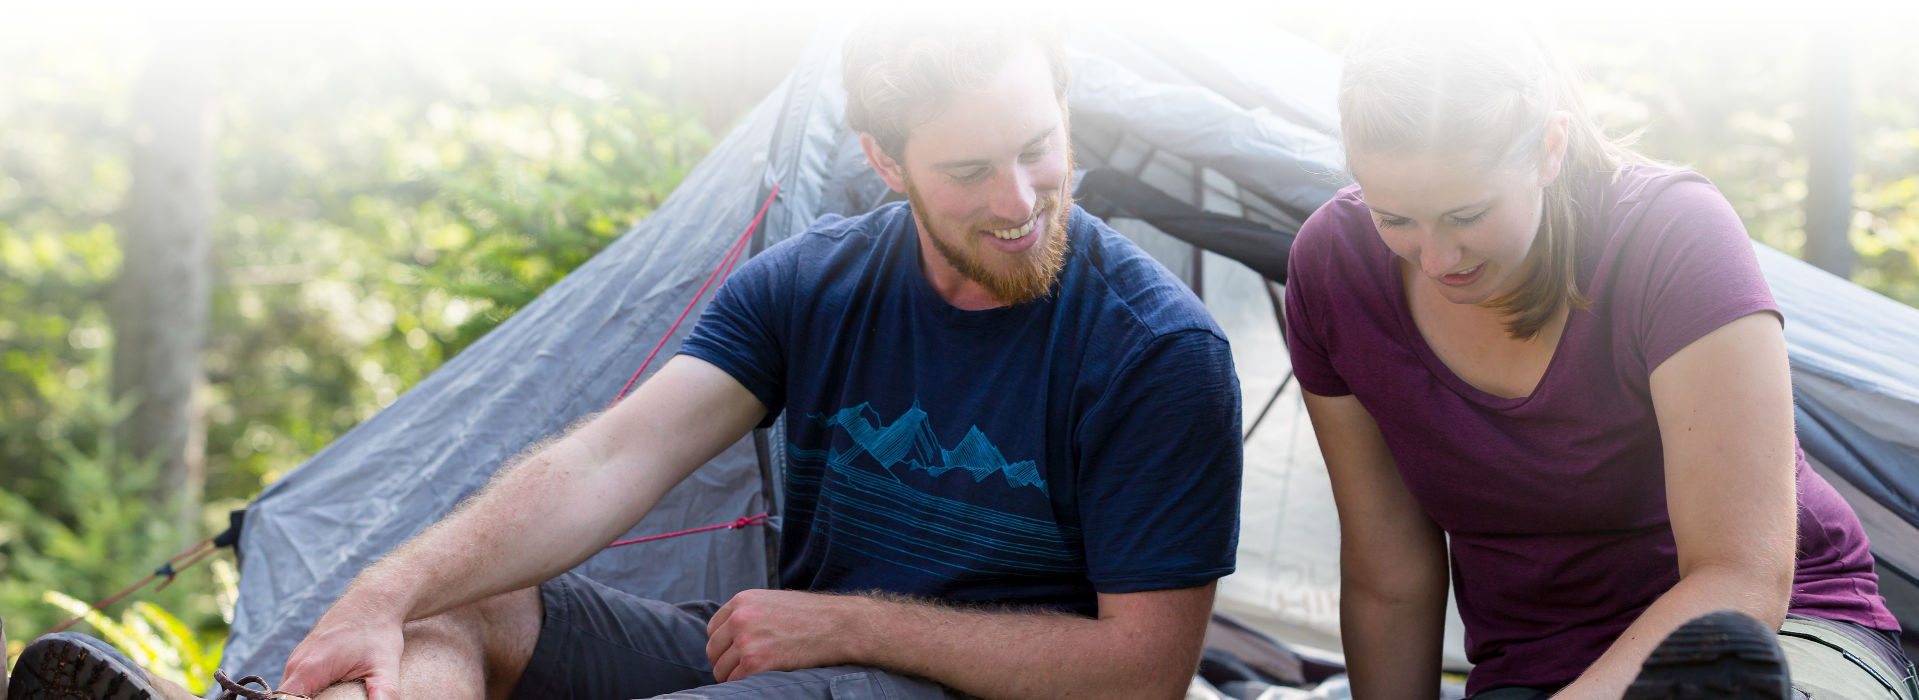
(1454, 210)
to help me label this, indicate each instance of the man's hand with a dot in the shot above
(347, 645)
(1143, 645)
(767, 630)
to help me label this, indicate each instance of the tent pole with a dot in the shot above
(1199, 254)
(770, 531)
(1279, 315)
(764, 451)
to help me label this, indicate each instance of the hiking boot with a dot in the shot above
(1718, 655)
(73, 666)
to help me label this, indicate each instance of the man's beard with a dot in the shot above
(1035, 269)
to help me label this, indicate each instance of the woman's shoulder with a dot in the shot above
(1638, 215)
(1674, 262)
(1650, 193)
(1346, 208)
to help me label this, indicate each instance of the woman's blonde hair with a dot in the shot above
(1482, 93)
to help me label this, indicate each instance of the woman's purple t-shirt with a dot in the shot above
(1554, 504)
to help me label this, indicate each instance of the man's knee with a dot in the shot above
(499, 633)
(512, 624)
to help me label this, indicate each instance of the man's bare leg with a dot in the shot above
(475, 652)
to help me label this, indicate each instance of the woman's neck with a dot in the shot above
(1473, 340)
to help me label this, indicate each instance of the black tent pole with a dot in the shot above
(1279, 315)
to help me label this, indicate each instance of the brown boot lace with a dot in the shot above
(236, 691)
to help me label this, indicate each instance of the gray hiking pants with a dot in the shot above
(599, 643)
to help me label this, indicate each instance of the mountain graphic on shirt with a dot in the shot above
(909, 441)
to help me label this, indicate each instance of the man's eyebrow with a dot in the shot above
(1454, 210)
(976, 162)
(1042, 136)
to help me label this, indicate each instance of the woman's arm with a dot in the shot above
(1392, 559)
(1725, 416)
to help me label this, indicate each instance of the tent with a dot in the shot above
(1232, 135)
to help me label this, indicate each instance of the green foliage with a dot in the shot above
(384, 199)
(93, 533)
(62, 171)
(379, 210)
(1732, 103)
(389, 210)
(1886, 226)
(52, 344)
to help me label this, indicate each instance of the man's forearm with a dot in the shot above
(529, 523)
(1027, 655)
(565, 502)
(534, 520)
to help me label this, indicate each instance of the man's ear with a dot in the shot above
(1553, 147)
(890, 170)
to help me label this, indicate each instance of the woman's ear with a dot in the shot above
(1552, 148)
(890, 170)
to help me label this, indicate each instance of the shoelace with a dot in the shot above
(236, 691)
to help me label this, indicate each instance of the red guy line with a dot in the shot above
(725, 266)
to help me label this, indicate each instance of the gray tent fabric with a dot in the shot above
(1234, 122)
(563, 357)
(1849, 450)
(1855, 360)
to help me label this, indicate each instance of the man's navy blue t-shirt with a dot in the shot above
(1033, 455)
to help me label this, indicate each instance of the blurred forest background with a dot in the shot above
(226, 240)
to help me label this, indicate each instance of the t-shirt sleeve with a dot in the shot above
(1160, 468)
(740, 332)
(1699, 271)
(1307, 274)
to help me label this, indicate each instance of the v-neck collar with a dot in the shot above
(1414, 339)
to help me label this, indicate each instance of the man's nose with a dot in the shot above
(1014, 199)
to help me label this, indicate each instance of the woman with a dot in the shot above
(1552, 367)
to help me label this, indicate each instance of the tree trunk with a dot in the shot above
(160, 302)
(1829, 151)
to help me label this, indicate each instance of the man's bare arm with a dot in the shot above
(564, 503)
(533, 521)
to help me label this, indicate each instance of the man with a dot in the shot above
(1013, 460)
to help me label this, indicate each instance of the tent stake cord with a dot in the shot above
(726, 266)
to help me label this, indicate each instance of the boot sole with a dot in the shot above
(68, 666)
(1722, 655)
